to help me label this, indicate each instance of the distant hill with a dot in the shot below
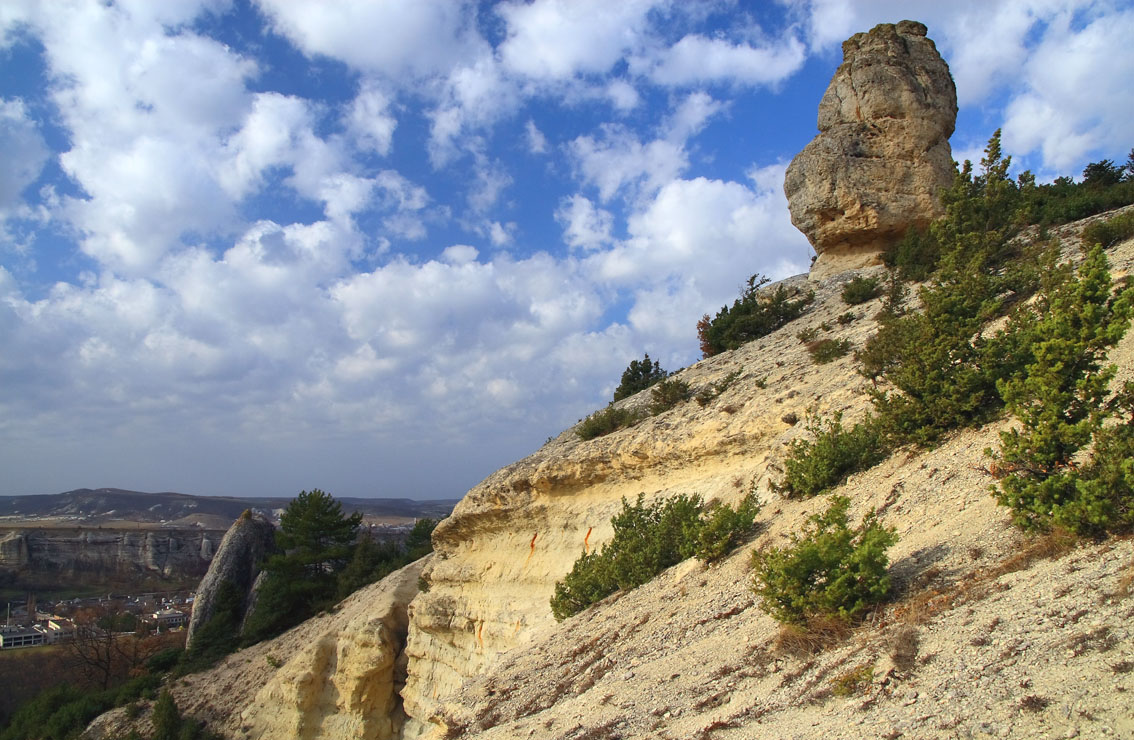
(94, 506)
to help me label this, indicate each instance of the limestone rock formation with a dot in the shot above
(80, 555)
(882, 153)
(337, 676)
(237, 560)
(345, 681)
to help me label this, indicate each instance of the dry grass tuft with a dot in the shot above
(1053, 544)
(1125, 585)
(903, 646)
(1034, 703)
(854, 682)
(817, 635)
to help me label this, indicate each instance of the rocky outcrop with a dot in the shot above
(337, 676)
(345, 681)
(237, 561)
(882, 154)
(94, 554)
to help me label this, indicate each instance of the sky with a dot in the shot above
(384, 248)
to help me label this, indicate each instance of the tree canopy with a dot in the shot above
(638, 376)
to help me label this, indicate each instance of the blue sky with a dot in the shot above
(384, 248)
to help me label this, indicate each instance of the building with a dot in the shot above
(58, 630)
(17, 637)
(169, 619)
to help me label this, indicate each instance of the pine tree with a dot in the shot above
(638, 376)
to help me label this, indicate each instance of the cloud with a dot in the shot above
(692, 114)
(689, 249)
(491, 180)
(471, 98)
(537, 142)
(584, 226)
(369, 119)
(622, 95)
(1077, 100)
(402, 40)
(620, 161)
(560, 39)
(696, 60)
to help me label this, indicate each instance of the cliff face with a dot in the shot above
(498, 556)
(93, 554)
(337, 676)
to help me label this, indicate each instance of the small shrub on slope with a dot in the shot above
(667, 394)
(608, 420)
(648, 538)
(830, 570)
(860, 290)
(725, 528)
(710, 394)
(834, 452)
(828, 350)
(1111, 231)
(753, 315)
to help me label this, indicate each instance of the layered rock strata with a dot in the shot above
(882, 154)
(84, 554)
(498, 556)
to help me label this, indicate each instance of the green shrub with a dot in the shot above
(710, 394)
(648, 538)
(816, 465)
(860, 290)
(638, 376)
(753, 315)
(854, 681)
(810, 334)
(1111, 231)
(608, 420)
(1059, 398)
(846, 318)
(725, 528)
(828, 350)
(915, 255)
(667, 394)
(164, 660)
(167, 718)
(830, 570)
(935, 370)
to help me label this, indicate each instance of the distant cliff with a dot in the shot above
(81, 555)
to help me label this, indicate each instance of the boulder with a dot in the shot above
(882, 154)
(237, 560)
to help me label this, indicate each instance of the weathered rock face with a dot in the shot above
(337, 676)
(345, 681)
(90, 554)
(882, 154)
(238, 561)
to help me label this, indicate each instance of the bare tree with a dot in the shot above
(110, 645)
